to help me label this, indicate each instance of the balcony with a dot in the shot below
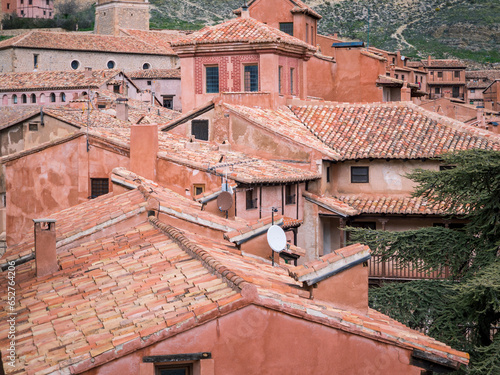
(392, 269)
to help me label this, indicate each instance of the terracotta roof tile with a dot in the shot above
(10, 115)
(55, 80)
(352, 205)
(437, 63)
(155, 74)
(283, 122)
(87, 42)
(242, 30)
(390, 131)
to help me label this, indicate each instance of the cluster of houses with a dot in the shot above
(141, 171)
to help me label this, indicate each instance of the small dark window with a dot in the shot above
(149, 83)
(33, 127)
(251, 78)
(33, 98)
(168, 102)
(212, 79)
(111, 64)
(52, 97)
(75, 64)
(290, 194)
(47, 2)
(24, 99)
(30, 2)
(198, 189)
(14, 99)
(472, 91)
(116, 89)
(63, 97)
(440, 74)
(438, 90)
(455, 91)
(35, 61)
(327, 174)
(396, 76)
(457, 74)
(292, 73)
(359, 174)
(174, 370)
(8, 6)
(287, 27)
(280, 79)
(403, 77)
(199, 128)
(251, 200)
(146, 66)
(393, 60)
(446, 167)
(99, 186)
(22, 12)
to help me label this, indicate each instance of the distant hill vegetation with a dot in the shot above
(464, 29)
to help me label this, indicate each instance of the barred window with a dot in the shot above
(251, 78)
(98, 186)
(287, 27)
(199, 128)
(359, 174)
(212, 79)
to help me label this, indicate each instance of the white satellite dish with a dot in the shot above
(276, 238)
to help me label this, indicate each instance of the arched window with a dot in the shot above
(42, 98)
(33, 98)
(5, 100)
(14, 99)
(52, 97)
(146, 66)
(24, 99)
(111, 64)
(63, 97)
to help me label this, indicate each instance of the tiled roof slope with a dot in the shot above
(481, 78)
(55, 80)
(109, 297)
(155, 74)
(352, 205)
(390, 130)
(86, 42)
(283, 122)
(83, 220)
(235, 165)
(155, 38)
(437, 63)
(12, 115)
(240, 30)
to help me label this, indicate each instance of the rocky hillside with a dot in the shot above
(466, 29)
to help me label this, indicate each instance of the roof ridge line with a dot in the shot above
(208, 261)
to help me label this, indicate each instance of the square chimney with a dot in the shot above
(45, 247)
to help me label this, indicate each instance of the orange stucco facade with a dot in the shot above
(53, 179)
(257, 340)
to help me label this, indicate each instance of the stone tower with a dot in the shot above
(111, 15)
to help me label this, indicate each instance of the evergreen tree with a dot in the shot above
(463, 310)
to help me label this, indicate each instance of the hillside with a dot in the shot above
(465, 29)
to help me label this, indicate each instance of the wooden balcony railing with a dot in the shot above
(392, 269)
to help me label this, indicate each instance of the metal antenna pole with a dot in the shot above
(368, 41)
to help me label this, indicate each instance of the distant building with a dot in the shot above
(44, 51)
(477, 82)
(446, 78)
(492, 96)
(111, 15)
(28, 8)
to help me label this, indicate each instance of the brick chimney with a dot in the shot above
(429, 59)
(88, 71)
(480, 118)
(144, 150)
(405, 92)
(45, 247)
(122, 109)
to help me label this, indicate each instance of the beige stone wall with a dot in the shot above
(385, 177)
(112, 16)
(21, 60)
